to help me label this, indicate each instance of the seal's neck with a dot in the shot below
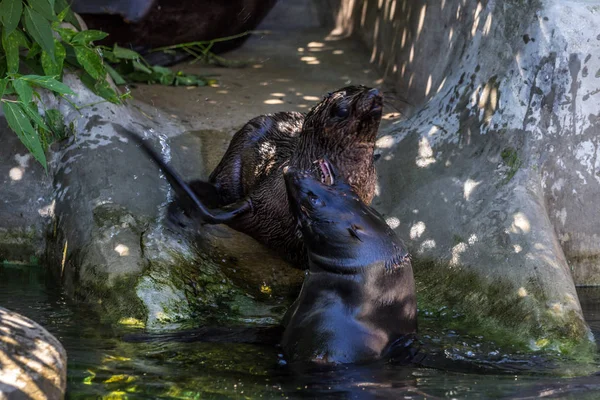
(352, 157)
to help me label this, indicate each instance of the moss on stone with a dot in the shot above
(511, 159)
(210, 296)
(20, 245)
(496, 309)
(113, 302)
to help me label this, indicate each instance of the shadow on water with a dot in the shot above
(101, 365)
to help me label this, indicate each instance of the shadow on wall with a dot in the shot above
(419, 43)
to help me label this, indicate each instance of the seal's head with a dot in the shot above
(337, 227)
(349, 115)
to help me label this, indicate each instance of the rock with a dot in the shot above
(110, 244)
(26, 201)
(33, 363)
(493, 177)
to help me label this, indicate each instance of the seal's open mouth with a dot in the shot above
(325, 172)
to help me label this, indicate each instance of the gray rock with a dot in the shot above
(493, 177)
(33, 363)
(25, 203)
(112, 246)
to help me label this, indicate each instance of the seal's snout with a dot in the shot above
(371, 102)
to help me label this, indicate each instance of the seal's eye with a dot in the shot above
(315, 201)
(341, 111)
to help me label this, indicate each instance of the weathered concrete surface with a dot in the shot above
(495, 171)
(33, 363)
(25, 201)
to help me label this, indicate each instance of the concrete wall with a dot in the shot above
(495, 170)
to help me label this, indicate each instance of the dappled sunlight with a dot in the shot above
(468, 188)
(417, 230)
(476, 19)
(425, 157)
(393, 222)
(311, 98)
(385, 142)
(122, 250)
(16, 173)
(315, 45)
(48, 211)
(456, 253)
(520, 224)
(310, 60)
(421, 20)
(32, 363)
(427, 245)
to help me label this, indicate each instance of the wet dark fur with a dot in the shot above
(358, 299)
(342, 127)
(357, 302)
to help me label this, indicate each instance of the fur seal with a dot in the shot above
(342, 127)
(247, 192)
(357, 303)
(358, 298)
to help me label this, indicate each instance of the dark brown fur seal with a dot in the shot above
(247, 191)
(358, 299)
(342, 127)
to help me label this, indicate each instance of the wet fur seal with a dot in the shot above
(342, 127)
(358, 298)
(357, 303)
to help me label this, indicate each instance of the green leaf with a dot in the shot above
(115, 75)
(48, 83)
(126, 54)
(138, 66)
(66, 34)
(11, 49)
(34, 115)
(34, 51)
(90, 61)
(56, 122)
(85, 37)
(3, 83)
(101, 88)
(43, 7)
(24, 90)
(108, 55)
(54, 68)
(70, 16)
(19, 122)
(34, 65)
(10, 14)
(61, 16)
(39, 29)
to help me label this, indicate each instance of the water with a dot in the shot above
(103, 366)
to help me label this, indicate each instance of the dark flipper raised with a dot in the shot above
(185, 192)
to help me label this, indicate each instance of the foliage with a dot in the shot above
(131, 67)
(36, 38)
(201, 50)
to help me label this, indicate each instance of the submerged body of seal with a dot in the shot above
(342, 127)
(358, 298)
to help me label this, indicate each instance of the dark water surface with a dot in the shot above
(102, 366)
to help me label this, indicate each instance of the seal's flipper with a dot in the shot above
(207, 192)
(184, 191)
